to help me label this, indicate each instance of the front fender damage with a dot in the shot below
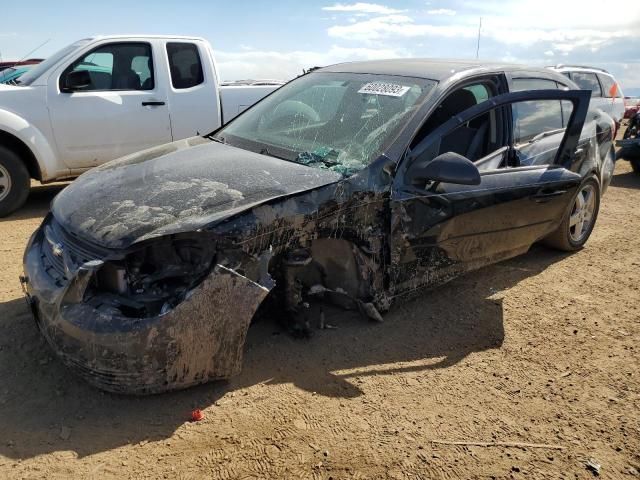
(200, 340)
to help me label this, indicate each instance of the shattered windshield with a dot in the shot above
(335, 121)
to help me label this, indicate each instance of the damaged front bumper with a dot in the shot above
(199, 340)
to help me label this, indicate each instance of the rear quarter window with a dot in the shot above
(609, 87)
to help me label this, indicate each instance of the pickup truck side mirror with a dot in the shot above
(447, 167)
(76, 80)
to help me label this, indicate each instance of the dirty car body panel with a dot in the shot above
(147, 272)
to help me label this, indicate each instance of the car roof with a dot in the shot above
(579, 68)
(428, 68)
(137, 35)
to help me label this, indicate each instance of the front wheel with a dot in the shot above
(579, 220)
(14, 182)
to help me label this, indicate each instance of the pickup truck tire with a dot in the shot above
(579, 219)
(14, 182)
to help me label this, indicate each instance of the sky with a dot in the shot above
(278, 39)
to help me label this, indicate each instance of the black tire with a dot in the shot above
(564, 238)
(635, 164)
(14, 182)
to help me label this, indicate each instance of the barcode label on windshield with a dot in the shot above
(381, 88)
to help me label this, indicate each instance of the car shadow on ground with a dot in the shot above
(37, 204)
(626, 180)
(44, 408)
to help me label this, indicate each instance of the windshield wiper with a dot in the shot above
(265, 151)
(216, 139)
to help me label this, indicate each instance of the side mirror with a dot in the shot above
(76, 80)
(447, 167)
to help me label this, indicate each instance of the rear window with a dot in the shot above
(185, 65)
(587, 81)
(609, 86)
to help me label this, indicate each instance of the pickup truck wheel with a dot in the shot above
(14, 182)
(579, 220)
(635, 164)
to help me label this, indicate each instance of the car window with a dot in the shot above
(335, 121)
(533, 118)
(587, 81)
(185, 65)
(117, 66)
(609, 86)
(479, 91)
(541, 151)
(472, 140)
(538, 126)
(141, 65)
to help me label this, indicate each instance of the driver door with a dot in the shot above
(441, 230)
(123, 109)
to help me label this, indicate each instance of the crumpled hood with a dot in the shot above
(173, 188)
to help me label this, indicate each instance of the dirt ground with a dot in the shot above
(541, 349)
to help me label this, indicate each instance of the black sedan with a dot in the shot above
(359, 184)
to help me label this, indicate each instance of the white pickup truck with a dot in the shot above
(104, 97)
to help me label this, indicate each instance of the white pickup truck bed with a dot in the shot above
(237, 98)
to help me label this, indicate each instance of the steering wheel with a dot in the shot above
(291, 111)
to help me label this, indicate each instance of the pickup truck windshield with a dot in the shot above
(39, 69)
(336, 121)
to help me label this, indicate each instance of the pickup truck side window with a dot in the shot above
(117, 66)
(185, 65)
(587, 81)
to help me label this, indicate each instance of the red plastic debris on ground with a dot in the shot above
(197, 415)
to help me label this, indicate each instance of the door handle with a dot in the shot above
(152, 104)
(546, 195)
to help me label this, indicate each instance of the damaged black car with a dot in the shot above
(360, 184)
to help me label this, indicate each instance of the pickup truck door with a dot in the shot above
(122, 110)
(193, 89)
(442, 230)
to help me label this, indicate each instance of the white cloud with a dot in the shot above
(399, 26)
(362, 7)
(441, 11)
(509, 32)
(533, 31)
(286, 65)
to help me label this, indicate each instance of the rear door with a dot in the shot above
(441, 230)
(123, 110)
(193, 89)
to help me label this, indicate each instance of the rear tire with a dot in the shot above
(579, 220)
(15, 182)
(635, 164)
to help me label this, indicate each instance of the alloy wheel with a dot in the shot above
(5, 183)
(582, 213)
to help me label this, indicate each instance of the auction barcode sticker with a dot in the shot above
(381, 88)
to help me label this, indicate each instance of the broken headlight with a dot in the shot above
(153, 279)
